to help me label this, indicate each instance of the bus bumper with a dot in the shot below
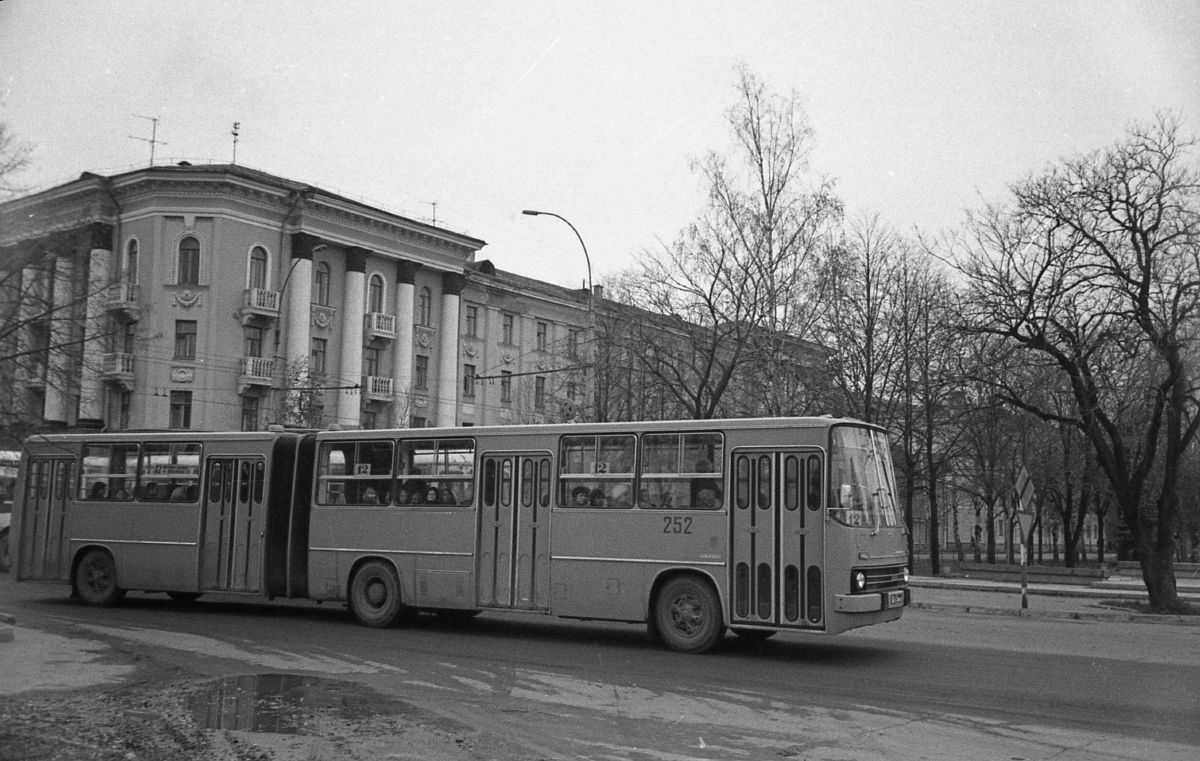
(871, 603)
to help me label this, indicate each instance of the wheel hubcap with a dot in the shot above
(376, 593)
(687, 615)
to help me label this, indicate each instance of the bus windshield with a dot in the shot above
(863, 486)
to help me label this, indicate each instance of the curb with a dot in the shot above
(1113, 616)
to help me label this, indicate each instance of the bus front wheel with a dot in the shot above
(96, 579)
(687, 615)
(375, 595)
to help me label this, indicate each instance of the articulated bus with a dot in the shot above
(688, 527)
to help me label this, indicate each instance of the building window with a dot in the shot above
(181, 409)
(425, 308)
(321, 284)
(185, 339)
(469, 381)
(539, 392)
(369, 420)
(188, 272)
(370, 361)
(418, 422)
(471, 328)
(319, 349)
(129, 267)
(505, 386)
(543, 331)
(254, 340)
(421, 374)
(258, 269)
(375, 294)
(249, 413)
(573, 343)
(125, 408)
(506, 332)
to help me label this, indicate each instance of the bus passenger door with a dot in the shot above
(43, 520)
(778, 538)
(234, 506)
(513, 552)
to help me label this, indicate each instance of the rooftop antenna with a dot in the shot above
(434, 205)
(236, 127)
(153, 139)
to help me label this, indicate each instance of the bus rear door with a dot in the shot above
(42, 555)
(514, 536)
(234, 508)
(778, 538)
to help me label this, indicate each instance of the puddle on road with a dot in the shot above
(285, 703)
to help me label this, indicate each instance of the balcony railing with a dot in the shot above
(378, 388)
(118, 367)
(123, 297)
(379, 325)
(256, 371)
(260, 304)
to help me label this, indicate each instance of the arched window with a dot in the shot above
(129, 266)
(188, 272)
(258, 267)
(425, 308)
(375, 294)
(321, 284)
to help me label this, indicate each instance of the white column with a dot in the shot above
(350, 367)
(298, 286)
(402, 357)
(59, 368)
(447, 384)
(91, 381)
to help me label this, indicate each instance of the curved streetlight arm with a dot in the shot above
(586, 258)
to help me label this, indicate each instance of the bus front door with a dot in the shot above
(514, 536)
(778, 538)
(42, 555)
(231, 547)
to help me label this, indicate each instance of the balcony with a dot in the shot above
(117, 367)
(377, 388)
(123, 298)
(379, 325)
(260, 304)
(256, 371)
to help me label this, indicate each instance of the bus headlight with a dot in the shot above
(860, 581)
(905, 574)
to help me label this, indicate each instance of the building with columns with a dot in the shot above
(223, 298)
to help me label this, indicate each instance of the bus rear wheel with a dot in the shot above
(96, 579)
(687, 615)
(375, 595)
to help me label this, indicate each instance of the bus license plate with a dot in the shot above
(895, 599)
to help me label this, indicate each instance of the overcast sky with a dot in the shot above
(593, 110)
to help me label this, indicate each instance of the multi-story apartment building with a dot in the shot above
(220, 297)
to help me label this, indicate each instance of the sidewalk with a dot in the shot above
(1070, 601)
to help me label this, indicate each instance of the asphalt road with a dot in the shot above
(937, 684)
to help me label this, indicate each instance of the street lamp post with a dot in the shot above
(586, 258)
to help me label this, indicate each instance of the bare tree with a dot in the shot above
(15, 156)
(736, 280)
(1095, 272)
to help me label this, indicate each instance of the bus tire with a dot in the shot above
(375, 595)
(96, 579)
(687, 615)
